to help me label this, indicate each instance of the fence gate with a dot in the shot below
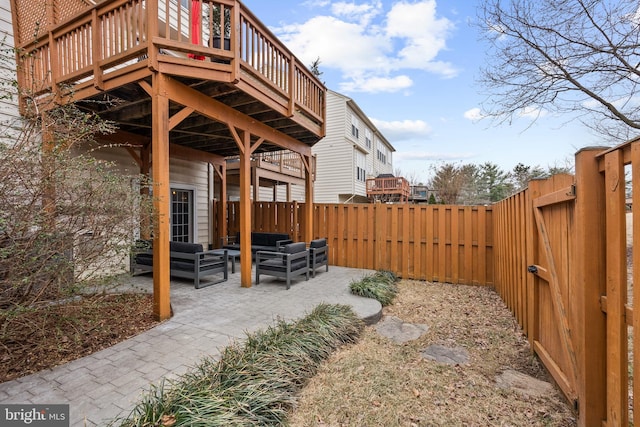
(550, 316)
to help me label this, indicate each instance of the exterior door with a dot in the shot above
(182, 222)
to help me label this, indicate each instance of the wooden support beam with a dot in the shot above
(128, 139)
(178, 117)
(146, 86)
(152, 25)
(216, 110)
(162, 232)
(245, 209)
(308, 194)
(190, 154)
(134, 155)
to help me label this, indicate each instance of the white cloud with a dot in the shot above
(474, 114)
(429, 155)
(316, 3)
(338, 44)
(374, 50)
(423, 34)
(362, 13)
(403, 130)
(376, 84)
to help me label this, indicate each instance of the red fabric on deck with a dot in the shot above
(196, 26)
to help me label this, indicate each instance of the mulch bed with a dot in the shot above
(52, 335)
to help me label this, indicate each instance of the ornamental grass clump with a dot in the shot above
(256, 381)
(380, 286)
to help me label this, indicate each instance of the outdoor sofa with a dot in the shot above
(187, 261)
(260, 241)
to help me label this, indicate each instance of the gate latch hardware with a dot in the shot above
(532, 269)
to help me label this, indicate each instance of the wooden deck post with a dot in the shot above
(245, 210)
(590, 279)
(160, 167)
(308, 194)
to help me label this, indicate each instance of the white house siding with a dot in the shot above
(336, 178)
(182, 174)
(334, 153)
(194, 175)
(9, 115)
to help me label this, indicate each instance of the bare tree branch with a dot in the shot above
(576, 57)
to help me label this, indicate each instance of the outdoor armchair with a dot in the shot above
(292, 261)
(318, 255)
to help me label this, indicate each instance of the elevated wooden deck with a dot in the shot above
(198, 79)
(388, 189)
(213, 49)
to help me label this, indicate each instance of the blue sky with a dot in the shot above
(412, 66)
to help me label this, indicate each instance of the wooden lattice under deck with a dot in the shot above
(34, 16)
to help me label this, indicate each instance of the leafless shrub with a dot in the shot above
(68, 219)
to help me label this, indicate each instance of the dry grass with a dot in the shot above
(378, 383)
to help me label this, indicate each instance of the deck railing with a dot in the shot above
(285, 162)
(111, 35)
(389, 186)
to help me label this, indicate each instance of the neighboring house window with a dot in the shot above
(367, 138)
(382, 153)
(181, 215)
(355, 124)
(382, 158)
(361, 174)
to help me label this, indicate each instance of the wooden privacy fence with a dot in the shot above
(556, 253)
(427, 242)
(562, 267)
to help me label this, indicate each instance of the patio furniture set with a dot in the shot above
(274, 254)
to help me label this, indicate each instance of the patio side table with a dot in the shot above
(233, 256)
